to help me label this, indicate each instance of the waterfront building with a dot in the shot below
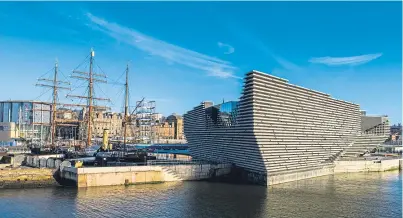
(396, 129)
(107, 120)
(395, 137)
(171, 127)
(396, 134)
(375, 124)
(157, 117)
(165, 131)
(68, 122)
(176, 121)
(29, 120)
(9, 132)
(277, 128)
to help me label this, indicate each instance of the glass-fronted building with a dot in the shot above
(32, 119)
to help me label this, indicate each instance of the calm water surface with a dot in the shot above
(343, 195)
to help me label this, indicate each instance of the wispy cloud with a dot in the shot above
(263, 47)
(169, 52)
(229, 48)
(288, 65)
(337, 61)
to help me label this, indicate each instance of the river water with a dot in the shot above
(343, 195)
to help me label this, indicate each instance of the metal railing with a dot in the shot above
(15, 150)
(180, 162)
(391, 143)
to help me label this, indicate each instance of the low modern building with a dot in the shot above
(30, 120)
(9, 132)
(378, 125)
(277, 129)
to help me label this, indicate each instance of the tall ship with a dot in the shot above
(83, 121)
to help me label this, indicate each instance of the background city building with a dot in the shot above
(107, 120)
(31, 121)
(176, 121)
(396, 129)
(378, 125)
(68, 123)
(395, 135)
(25, 120)
(171, 129)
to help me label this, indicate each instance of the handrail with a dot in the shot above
(181, 162)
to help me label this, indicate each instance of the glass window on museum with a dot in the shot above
(228, 112)
(222, 115)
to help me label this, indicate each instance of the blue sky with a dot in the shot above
(185, 52)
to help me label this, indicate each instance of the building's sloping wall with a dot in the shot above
(279, 128)
(298, 128)
(235, 144)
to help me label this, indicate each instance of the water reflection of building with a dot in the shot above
(29, 120)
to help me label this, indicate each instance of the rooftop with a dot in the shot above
(25, 101)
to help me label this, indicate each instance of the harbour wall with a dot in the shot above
(197, 171)
(105, 176)
(299, 175)
(46, 169)
(367, 166)
(12, 160)
(27, 178)
(350, 166)
(30, 171)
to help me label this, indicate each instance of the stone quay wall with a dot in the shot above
(350, 166)
(26, 178)
(198, 171)
(105, 176)
(28, 171)
(367, 166)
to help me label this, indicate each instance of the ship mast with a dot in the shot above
(90, 99)
(91, 77)
(55, 86)
(126, 119)
(54, 105)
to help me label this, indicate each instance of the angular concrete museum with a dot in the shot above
(277, 128)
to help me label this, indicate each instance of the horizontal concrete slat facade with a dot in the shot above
(280, 127)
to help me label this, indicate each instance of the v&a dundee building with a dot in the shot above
(279, 129)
